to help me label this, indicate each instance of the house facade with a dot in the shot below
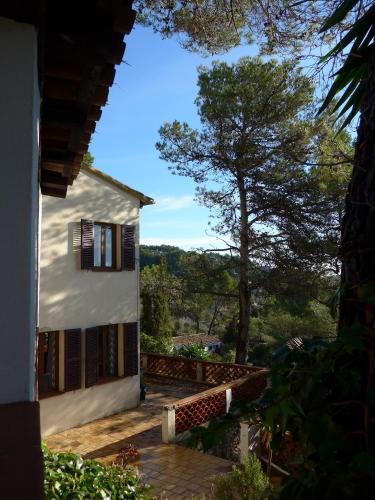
(88, 349)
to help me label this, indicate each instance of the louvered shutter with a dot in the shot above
(127, 247)
(72, 359)
(130, 349)
(92, 352)
(87, 244)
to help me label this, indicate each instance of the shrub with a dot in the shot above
(156, 345)
(67, 475)
(193, 351)
(247, 482)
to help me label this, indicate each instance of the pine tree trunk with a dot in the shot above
(242, 340)
(214, 316)
(357, 305)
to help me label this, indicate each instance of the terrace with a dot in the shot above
(176, 401)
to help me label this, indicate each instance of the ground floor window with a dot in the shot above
(107, 356)
(101, 354)
(48, 344)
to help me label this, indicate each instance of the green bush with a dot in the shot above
(193, 351)
(156, 345)
(247, 482)
(68, 476)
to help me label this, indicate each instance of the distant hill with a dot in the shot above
(150, 255)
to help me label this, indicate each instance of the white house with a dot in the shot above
(88, 347)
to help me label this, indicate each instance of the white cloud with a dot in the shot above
(171, 203)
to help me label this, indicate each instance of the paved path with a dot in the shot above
(174, 472)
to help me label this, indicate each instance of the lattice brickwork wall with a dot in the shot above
(221, 373)
(250, 389)
(199, 411)
(182, 368)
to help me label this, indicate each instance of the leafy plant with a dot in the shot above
(157, 345)
(69, 476)
(354, 73)
(127, 454)
(247, 482)
(193, 351)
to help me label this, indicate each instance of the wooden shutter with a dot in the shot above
(92, 352)
(128, 247)
(87, 244)
(72, 359)
(130, 349)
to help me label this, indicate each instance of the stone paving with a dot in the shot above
(174, 472)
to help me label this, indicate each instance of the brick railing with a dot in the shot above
(209, 372)
(200, 408)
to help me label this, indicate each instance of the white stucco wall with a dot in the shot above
(19, 200)
(71, 297)
(79, 407)
(75, 298)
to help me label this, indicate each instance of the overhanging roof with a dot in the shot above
(145, 200)
(80, 42)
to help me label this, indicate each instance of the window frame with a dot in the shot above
(55, 390)
(103, 267)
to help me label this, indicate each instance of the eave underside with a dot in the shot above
(80, 42)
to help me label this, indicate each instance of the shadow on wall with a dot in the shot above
(71, 297)
(84, 405)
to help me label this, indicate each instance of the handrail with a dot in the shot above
(198, 409)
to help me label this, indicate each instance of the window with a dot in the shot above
(48, 345)
(99, 246)
(101, 354)
(107, 359)
(104, 245)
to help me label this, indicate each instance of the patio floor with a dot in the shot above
(174, 472)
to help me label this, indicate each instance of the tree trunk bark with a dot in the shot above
(242, 340)
(214, 316)
(357, 304)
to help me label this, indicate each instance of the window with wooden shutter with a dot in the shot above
(130, 349)
(92, 351)
(48, 363)
(101, 354)
(72, 359)
(128, 247)
(87, 244)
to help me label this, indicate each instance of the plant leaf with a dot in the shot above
(339, 14)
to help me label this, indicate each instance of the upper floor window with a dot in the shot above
(100, 249)
(104, 245)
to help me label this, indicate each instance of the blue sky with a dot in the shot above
(156, 83)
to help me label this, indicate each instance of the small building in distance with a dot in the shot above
(210, 343)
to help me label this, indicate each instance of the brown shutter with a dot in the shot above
(130, 349)
(72, 359)
(127, 247)
(92, 352)
(87, 244)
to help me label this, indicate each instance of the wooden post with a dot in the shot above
(199, 372)
(168, 424)
(228, 399)
(144, 362)
(244, 441)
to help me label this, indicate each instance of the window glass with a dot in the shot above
(108, 246)
(97, 245)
